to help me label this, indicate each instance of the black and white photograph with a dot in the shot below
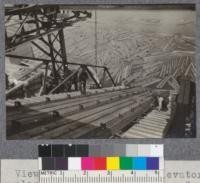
(100, 72)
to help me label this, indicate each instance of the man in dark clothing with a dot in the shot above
(7, 82)
(75, 80)
(82, 78)
(68, 84)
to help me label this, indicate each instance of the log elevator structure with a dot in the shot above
(127, 111)
(44, 25)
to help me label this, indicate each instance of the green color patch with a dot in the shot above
(126, 163)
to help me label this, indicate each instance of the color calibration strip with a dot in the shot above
(100, 163)
(84, 150)
(102, 157)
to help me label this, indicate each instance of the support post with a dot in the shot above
(43, 89)
(103, 78)
(55, 74)
(63, 49)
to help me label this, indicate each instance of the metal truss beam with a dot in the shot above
(91, 75)
(41, 25)
(46, 61)
(37, 21)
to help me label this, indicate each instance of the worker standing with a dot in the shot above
(170, 102)
(68, 84)
(7, 82)
(160, 103)
(75, 81)
(82, 79)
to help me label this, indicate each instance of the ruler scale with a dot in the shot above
(102, 177)
(76, 164)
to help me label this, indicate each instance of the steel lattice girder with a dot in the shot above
(41, 24)
(40, 20)
(46, 27)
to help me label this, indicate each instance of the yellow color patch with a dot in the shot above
(112, 163)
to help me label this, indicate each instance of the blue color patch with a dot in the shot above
(153, 163)
(139, 163)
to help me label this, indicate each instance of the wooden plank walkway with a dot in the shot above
(153, 125)
(73, 117)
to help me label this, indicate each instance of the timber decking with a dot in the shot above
(64, 116)
(153, 125)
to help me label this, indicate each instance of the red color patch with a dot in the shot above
(100, 163)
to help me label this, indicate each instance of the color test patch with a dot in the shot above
(139, 163)
(97, 157)
(61, 163)
(112, 163)
(69, 150)
(126, 163)
(131, 150)
(153, 163)
(100, 163)
(144, 150)
(82, 150)
(95, 150)
(44, 150)
(157, 150)
(48, 163)
(87, 163)
(57, 150)
(74, 163)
